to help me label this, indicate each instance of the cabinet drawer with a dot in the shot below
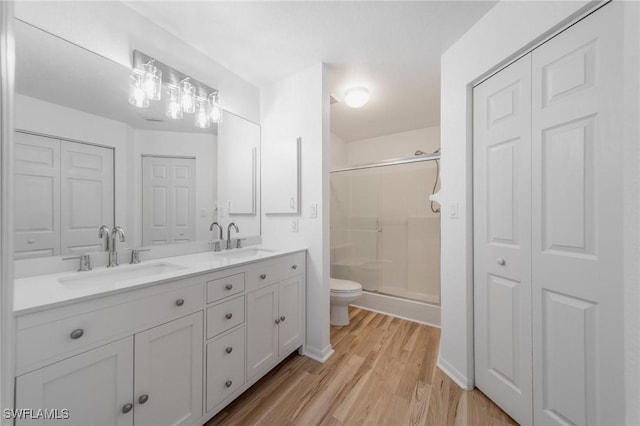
(225, 367)
(277, 270)
(224, 316)
(51, 340)
(224, 287)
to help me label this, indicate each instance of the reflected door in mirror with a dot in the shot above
(168, 200)
(64, 192)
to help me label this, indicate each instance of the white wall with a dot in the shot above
(298, 106)
(507, 30)
(113, 30)
(337, 152)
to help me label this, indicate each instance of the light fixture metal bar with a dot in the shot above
(171, 75)
(391, 162)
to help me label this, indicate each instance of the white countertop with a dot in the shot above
(46, 291)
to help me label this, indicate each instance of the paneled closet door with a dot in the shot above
(502, 238)
(577, 223)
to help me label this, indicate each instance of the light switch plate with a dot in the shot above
(294, 225)
(453, 210)
(314, 211)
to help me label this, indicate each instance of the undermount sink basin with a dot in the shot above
(245, 253)
(114, 275)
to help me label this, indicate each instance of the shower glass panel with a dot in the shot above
(383, 232)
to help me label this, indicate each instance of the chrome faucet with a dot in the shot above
(229, 234)
(113, 254)
(103, 232)
(216, 244)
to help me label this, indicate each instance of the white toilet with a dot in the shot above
(343, 293)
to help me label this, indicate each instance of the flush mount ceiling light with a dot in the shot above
(184, 94)
(356, 97)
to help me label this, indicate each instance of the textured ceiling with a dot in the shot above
(393, 48)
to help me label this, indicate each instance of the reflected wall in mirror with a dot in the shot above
(85, 157)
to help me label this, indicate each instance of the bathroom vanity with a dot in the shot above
(165, 342)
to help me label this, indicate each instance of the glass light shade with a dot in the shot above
(152, 82)
(137, 96)
(356, 97)
(202, 119)
(215, 110)
(173, 107)
(187, 97)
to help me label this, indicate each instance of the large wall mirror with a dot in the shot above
(85, 157)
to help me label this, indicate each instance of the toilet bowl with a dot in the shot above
(343, 293)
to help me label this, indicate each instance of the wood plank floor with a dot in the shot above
(383, 372)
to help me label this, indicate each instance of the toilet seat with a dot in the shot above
(344, 286)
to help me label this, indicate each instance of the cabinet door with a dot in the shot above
(168, 373)
(281, 174)
(262, 331)
(290, 309)
(94, 386)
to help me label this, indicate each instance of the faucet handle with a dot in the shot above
(135, 255)
(239, 242)
(85, 262)
(216, 245)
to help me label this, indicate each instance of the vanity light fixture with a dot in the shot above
(202, 118)
(215, 110)
(174, 107)
(356, 97)
(187, 96)
(137, 96)
(152, 81)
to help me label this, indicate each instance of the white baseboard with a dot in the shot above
(461, 380)
(420, 312)
(320, 355)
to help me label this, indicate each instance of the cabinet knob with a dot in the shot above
(263, 276)
(228, 383)
(229, 350)
(77, 333)
(228, 286)
(179, 302)
(229, 315)
(143, 399)
(500, 261)
(31, 241)
(127, 407)
(294, 267)
(282, 318)
(277, 320)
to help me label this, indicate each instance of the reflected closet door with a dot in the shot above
(502, 238)
(577, 224)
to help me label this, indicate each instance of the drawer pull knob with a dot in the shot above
(228, 383)
(77, 333)
(127, 407)
(500, 261)
(229, 315)
(282, 318)
(179, 302)
(228, 286)
(294, 267)
(229, 350)
(143, 399)
(263, 276)
(277, 320)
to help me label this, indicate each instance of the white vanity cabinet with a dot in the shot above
(173, 353)
(274, 314)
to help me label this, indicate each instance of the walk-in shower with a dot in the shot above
(385, 231)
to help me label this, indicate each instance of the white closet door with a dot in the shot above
(168, 200)
(502, 238)
(87, 196)
(37, 196)
(577, 224)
